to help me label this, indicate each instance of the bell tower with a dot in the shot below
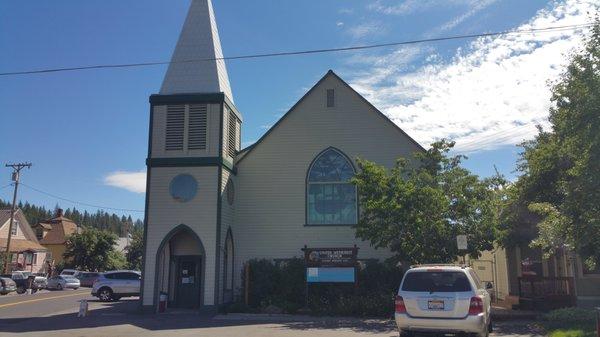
(194, 137)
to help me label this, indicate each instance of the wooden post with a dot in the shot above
(598, 321)
(247, 284)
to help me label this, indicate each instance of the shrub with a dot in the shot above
(571, 315)
(283, 284)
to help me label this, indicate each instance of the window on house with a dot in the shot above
(330, 98)
(331, 198)
(34, 259)
(39, 233)
(15, 228)
(232, 134)
(197, 124)
(175, 127)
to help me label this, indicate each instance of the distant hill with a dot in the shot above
(100, 219)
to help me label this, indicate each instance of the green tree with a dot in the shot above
(135, 249)
(560, 182)
(417, 210)
(90, 250)
(116, 260)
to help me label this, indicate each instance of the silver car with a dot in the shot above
(441, 298)
(112, 285)
(61, 282)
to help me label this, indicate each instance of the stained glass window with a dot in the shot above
(331, 198)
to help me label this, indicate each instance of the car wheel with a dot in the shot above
(21, 290)
(105, 294)
(59, 287)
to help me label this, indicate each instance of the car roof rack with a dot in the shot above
(438, 265)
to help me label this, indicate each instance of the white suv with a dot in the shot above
(442, 298)
(113, 285)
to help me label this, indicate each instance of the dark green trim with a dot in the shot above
(219, 205)
(191, 161)
(225, 280)
(217, 98)
(167, 238)
(146, 201)
(329, 73)
(157, 99)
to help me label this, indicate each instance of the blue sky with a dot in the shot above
(78, 128)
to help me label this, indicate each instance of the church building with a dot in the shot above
(211, 205)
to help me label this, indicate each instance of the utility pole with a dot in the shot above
(15, 177)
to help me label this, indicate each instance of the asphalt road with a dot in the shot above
(54, 313)
(40, 304)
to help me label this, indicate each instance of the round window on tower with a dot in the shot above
(183, 187)
(230, 192)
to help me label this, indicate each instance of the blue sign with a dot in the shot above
(330, 274)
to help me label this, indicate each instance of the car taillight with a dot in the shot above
(399, 304)
(476, 306)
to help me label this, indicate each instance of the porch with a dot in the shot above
(546, 293)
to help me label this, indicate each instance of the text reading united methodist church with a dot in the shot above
(211, 206)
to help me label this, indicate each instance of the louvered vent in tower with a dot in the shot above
(175, 127)
(197, 124)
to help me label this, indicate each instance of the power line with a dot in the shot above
(82, 203)
(304, 52)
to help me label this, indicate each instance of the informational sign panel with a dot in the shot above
(330, 274)
(330, 257)
(461, 241)
(330, 264)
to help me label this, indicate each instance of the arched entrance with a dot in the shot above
(180, 268)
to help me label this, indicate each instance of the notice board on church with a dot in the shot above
(331, 265)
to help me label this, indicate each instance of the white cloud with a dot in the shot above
(490, 95)
(474, 9)
(367, 29)
(339, 24)
(407, 7)
(132, 181)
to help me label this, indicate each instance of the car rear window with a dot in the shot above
(442, 281)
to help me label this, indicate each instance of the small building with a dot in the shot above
(53, 234)
(26, 252)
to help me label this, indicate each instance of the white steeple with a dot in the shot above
(199, 39)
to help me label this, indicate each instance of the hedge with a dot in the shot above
(283, 284)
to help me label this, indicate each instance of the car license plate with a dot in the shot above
(435, 305)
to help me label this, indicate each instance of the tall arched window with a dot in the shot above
(330, 197)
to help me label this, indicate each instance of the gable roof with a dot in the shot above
(246, 151)
(61, 228)
(19, 245)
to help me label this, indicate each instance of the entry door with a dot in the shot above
(188, 282)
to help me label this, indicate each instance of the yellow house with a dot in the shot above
(53, 233)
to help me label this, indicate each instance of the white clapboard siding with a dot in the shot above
(165, 213)
(270, 201)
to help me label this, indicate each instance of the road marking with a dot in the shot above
(40, 299)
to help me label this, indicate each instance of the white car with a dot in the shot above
(112, 285)
(69, 272)
(61, 282)
(445, 299)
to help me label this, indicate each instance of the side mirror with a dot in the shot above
(489, 286)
